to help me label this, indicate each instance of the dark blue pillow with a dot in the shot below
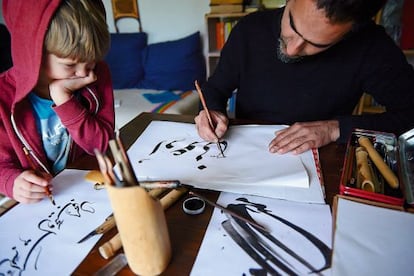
(125, 59)
(174, 65)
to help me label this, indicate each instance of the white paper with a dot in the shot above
(295, 225)
(170, 150)
(372, 240)
(42, 239)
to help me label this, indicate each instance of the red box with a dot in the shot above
(398, 155)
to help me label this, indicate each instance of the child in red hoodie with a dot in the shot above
(56, 102)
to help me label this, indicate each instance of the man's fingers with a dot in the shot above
(206, 131)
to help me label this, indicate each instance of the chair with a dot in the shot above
(125, 9)
(368, 105)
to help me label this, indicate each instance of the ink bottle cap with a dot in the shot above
(193, 205)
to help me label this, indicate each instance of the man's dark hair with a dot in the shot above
(341, 11)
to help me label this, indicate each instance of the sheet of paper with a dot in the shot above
(372, 240)
(170, 150)
(41, 239)
(298, 242)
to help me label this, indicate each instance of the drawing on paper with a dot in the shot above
(175, 148)
(273, 256)
(27, 251)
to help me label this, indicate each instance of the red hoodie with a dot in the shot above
(89, 120)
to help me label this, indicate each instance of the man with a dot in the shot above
(307, 65)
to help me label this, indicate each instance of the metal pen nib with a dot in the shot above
(220, 149)
(52, 200)
(49, 194)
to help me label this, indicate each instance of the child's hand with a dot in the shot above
(29, 187)
(61, 90)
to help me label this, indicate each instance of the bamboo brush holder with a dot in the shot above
(141, 223)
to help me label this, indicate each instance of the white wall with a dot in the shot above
(162, 19)
(165, 19)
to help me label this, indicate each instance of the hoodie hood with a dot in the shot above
(27, 21)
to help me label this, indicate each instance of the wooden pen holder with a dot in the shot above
(141, 223)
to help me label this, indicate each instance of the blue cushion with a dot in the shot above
(174, 65)
(125, 59)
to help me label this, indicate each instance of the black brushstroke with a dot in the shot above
(252, 242)
(187, 149)
(170, 145)
(48, 227)
(156, 147)
(246, 247)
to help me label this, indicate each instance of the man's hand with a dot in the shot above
(301, 137)
(29, 187)
(61, 90)
(203, 127)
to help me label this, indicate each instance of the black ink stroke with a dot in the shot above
(179, 151)
(255, 242)
(18, 263)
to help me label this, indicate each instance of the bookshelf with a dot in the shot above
(219, 26)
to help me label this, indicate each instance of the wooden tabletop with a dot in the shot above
(187, 231)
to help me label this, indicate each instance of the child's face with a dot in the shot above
(56, 68)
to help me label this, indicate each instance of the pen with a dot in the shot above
(210, 121)
(156, 184)
(33, 166)
(107, 225)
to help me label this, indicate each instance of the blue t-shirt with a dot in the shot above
(55, 137)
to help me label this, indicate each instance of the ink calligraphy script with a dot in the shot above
(41, 238)
(171, 150)
(298, 241)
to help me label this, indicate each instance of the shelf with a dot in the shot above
(226, 15)
(219, 26)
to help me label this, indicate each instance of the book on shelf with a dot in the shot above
(273, 4)
(220, 2)
(253, 5)
(226, 8)
(220, 35)
(223, 29)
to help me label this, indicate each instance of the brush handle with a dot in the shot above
(386, 171)
(109, 248)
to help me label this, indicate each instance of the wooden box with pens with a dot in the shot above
(377, 167)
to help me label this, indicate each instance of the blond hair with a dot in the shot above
(78, 30)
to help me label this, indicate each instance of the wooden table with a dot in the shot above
(186, 231)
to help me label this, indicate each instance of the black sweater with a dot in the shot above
(324, 86)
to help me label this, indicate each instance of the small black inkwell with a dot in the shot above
(193, 205)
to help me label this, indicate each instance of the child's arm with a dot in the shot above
(62, 90)
(91, 127)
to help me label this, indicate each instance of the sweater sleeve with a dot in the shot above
(91, 127)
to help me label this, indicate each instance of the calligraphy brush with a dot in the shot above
(210, 121)
(106, 168)
(121, 158)
(103, 167)
(34, 168)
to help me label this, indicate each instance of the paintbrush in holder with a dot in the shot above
(139, 217)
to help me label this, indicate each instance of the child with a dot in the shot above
(56, 102)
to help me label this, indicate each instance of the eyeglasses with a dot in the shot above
(317, 45)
